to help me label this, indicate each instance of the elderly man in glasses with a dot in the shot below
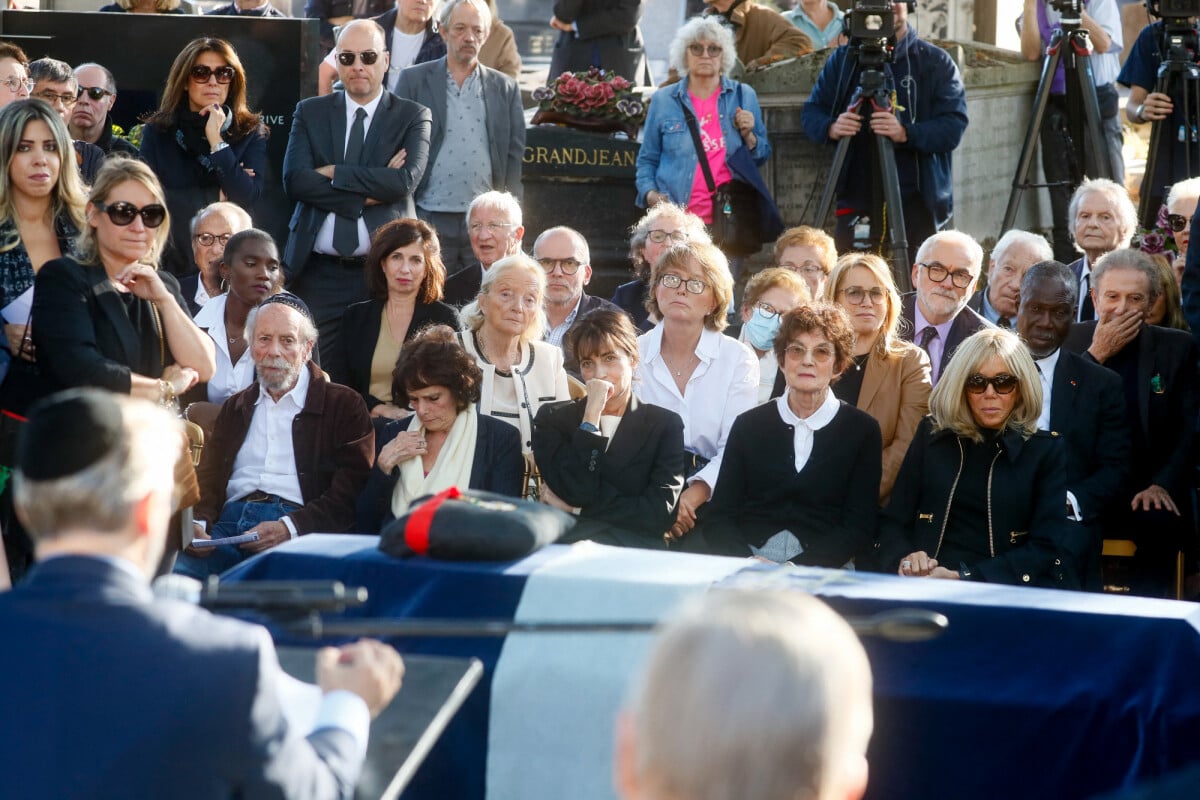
(54, 83)
(90, 119)
(945, 273)
(354, 160)
(563, 253)
(14, 74)
(494, 225)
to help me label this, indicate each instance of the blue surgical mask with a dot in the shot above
(761, 329)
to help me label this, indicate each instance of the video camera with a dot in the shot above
(1071, 10)
(1173, 10)
(871, 28)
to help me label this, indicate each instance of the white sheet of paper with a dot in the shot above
(17, 312)
(245, 537)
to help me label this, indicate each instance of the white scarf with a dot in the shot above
(452, 467)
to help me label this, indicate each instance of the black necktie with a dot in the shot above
(1087, 309)
(1004, 322)
(345, 229)
(927, 336)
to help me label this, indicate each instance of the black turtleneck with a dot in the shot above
(966, 540)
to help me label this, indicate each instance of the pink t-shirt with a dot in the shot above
(713, 139)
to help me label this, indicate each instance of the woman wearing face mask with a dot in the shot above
(769, 295)
(612, 459)
(889, 378)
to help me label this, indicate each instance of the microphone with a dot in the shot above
(288, 597)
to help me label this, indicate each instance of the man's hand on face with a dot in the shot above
(1113, 332)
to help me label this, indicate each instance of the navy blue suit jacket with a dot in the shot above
(966, 323)
(106, 691)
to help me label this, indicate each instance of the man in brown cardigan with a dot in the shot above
(763, 35)
(288, 455)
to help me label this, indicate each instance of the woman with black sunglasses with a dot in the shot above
(109, 317)
(204, 143)
(982, 493)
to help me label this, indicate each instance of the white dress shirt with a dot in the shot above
(803, 429)
(723, 385)
(1046, 374)
(324, 242)
(230, 378)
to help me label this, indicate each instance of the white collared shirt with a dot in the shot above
(266, 461)
(1046, 368)
(723, 385)
(1085, 287)
(201, 296)
(804, 429)
(230, 378)
(324, 241)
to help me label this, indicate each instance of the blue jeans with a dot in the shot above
(236, 518)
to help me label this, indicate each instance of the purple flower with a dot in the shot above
(543, 93)
(1161, 222)
(1152, 243)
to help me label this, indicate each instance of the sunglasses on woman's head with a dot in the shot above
(1002, 383)
(122, 213)
(201, 73)
(346, 57)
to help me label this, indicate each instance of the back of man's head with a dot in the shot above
(750, 696)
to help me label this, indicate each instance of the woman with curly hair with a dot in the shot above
(204, 143)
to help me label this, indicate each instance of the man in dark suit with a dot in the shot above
(495, 230)
(478, 137)
(1083, 403)
(945, 273)
(1102, 219)
(1015, 252)
(95, 490)
(353, 160)
(564, 255)
(1157, 367)
(597, 33)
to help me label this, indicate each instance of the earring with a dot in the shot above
(224, 286)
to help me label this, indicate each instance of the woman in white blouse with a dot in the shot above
(688, 366)
(502, 331)
(250, 269)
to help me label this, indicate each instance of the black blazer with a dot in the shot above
(463, 286)
(498, 466)
(318, 138)
(606, 36)
(627, 489)
(631, 298)
(966, 323)
(1167, 405)
(187, 288)
(1028, 494)
(830, 505)
(360, 332)
(83, 334)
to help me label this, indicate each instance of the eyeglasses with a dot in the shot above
(659, 236)
(207, 239)
(201, 73)
(346, 57)
(1177, 222)
(808, 268)
(767, 311)
(693, 285)
(94, 93)
(122, 213)
(569, 266)
(50, 96)
(937, 273)
(494, 228)
(1002, 383)
(697, 49)
(15, 85)
(856, 294)
(821, 354)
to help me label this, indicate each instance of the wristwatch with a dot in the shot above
(220, 147)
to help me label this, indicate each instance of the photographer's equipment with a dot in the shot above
(1179, 79)
(871, 28)
(1071, 46)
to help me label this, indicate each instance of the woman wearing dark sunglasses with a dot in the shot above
(204, 143)
(109, 318)
(982, 494)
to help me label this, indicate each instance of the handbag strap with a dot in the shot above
(694, 127)
(162, 342)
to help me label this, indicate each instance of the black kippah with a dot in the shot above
(291, 301)
(68, 432)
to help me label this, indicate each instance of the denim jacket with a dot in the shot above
(667, 161)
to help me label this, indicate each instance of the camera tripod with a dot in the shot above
(1071, 46)
(1179, 79)
(872, 91)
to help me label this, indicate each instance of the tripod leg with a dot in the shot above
(1081, 95)
(1147, 208)
(1021, 179)
(835, 171)
(901, 268)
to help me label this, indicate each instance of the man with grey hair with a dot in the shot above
(95, 488)
(944, 274)
(211, 229)
(1013, 254)
(288, 455)
(91, 116)
(563, 253)
(478, 137)
(54, 83)
(1158, 369)
(1103, 219)
(775, 702)
(494, 225)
